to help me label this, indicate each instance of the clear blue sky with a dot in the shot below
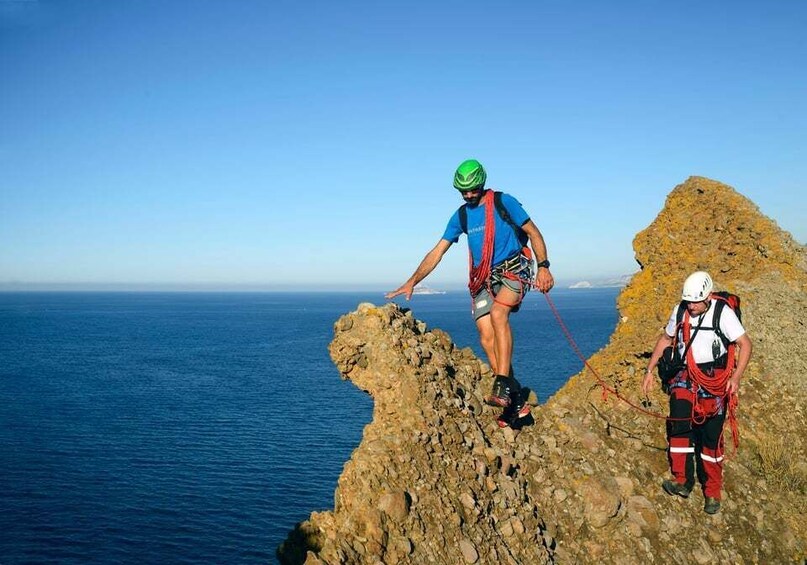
(313, 143)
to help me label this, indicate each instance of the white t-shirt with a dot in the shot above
(707, 345)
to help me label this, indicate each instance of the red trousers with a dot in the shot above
(696, 444)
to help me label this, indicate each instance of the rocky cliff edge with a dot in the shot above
(434, 480)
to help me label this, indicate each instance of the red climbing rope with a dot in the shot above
(714, 384)
(478, 276)
(606, 389)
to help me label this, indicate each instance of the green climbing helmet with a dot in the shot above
(470, 175)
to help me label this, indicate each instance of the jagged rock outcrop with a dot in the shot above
(434, 480)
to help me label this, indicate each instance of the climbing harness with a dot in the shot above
(518, 268)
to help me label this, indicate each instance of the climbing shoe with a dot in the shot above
(517, 409)
(712, 505)
(671, 487)
(503, 392)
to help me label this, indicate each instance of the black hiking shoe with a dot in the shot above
(712, 505)
(503, 392)
(517, 409)
(674, 488)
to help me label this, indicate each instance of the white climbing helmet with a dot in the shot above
(697, 287)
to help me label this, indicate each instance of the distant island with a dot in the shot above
(422, 289)
(618, 282)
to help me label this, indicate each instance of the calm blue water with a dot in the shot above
(200, 427)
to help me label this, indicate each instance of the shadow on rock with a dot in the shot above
(302, 539)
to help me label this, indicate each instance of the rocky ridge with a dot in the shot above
(434, 480)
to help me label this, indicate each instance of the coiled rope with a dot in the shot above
(479, 275)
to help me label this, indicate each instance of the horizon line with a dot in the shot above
(122, 287)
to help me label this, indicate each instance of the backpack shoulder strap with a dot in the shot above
(497, 201)
(500, 208)
(505, 215)
(720, 303)
(679, 314)
(463, 213)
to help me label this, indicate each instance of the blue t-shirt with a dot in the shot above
(505, 243)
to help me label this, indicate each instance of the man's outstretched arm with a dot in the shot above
(430, 261)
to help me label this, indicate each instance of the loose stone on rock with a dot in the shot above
(469, 552)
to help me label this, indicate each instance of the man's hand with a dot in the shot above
(407, 289)
(426, 266)
(544, 280)
(733, 386)
(647, 382)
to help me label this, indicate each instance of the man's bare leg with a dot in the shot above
(487, 340)
(517, 408)
(502, 334)
(500, 348)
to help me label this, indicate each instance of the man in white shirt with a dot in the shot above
(700, 391)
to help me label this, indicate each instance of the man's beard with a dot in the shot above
(474, 202)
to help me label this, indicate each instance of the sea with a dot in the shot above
(153, 427)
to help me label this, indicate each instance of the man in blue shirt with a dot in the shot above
(498, 229)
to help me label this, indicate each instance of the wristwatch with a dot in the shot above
(544, 263)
